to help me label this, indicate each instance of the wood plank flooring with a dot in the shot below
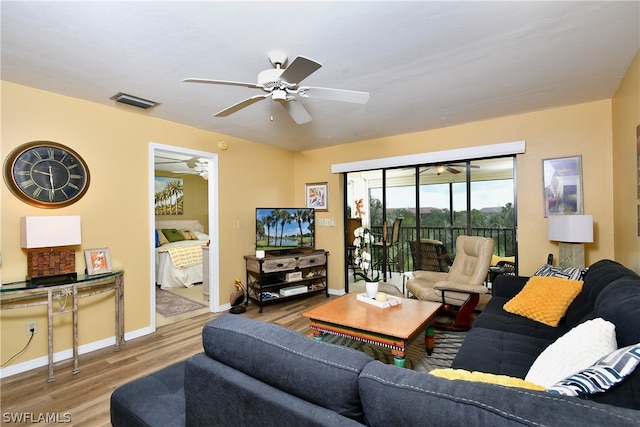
(84, 397)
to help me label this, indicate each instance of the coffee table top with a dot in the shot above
(402, 321)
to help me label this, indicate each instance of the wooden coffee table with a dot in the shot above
(392, 327)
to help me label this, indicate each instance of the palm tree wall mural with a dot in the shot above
(169, 196)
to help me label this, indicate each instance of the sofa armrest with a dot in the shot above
(217, 394)
(508, 286)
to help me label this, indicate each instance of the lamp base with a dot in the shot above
(571, 255)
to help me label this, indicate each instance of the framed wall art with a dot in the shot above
(98, 261)
(562, 183)
(317, 196)
(169, 195)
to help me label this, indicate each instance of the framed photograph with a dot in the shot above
(562, 183)
(317, 196)
(98, 261)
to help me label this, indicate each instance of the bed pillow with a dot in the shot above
(601, 376)
(544, 299)
(172, 235)
(188, 235)
(578, 349)
(563, 272)
(461, 374)
(162, 239)
(201, 236)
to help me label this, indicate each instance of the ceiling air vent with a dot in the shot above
(134, 100)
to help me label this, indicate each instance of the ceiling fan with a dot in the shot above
(196, 165)
(283, 84)
(192, 162)
(451, 168)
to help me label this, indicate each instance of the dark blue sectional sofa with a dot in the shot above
(255, 373)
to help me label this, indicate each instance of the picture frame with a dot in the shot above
(317, 196)
(98, 261)
(562, 186)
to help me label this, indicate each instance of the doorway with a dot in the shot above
(207, 169)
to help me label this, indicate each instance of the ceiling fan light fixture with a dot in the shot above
(135, 101)
(440, 169)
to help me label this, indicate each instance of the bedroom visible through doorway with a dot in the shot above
(183, 217)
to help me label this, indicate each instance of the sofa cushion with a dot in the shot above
(288, 361)
(599, 276)
(544, 299)
(400, 397)
(494, 317)
(499, 352)
(154, 400)
(619, 303)
(579, 348)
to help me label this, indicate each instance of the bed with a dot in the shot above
(179, 263)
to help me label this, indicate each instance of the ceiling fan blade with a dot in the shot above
(240, 105)
(452, 170)
(223, 82)
(341, 95)
(299, 69)
(464, 166)
(296, 110)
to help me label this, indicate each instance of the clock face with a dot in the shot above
(46, 174)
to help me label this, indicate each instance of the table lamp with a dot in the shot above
(572, 231)
(46, 238)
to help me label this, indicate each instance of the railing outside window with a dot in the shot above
(505, 239)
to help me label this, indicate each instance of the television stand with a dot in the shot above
(282, 277)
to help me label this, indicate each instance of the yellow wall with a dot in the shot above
(580, 129)
(626, 168)
(115, 211)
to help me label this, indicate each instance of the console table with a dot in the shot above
(21, 294)
(277, 278)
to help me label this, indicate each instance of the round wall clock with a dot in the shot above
(46, 174)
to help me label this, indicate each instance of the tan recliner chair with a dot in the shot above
(463, 286)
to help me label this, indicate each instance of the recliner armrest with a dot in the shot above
(430, 276)
(460, 287)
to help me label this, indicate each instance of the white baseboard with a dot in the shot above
(68, 353)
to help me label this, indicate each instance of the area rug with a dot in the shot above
(446, 346)
(169, 304)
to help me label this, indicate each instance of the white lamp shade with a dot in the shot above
(50, 231)
(571, 228)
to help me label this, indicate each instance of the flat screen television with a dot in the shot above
(285, 229)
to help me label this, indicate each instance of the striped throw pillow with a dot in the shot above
(563, 272)
(600, 377)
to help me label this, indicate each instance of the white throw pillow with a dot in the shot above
(578, 349)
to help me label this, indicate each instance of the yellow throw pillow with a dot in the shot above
(461, 374)
(544, 299)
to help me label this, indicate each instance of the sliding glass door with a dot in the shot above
(436, 202)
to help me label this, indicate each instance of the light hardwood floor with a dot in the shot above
(85, 396)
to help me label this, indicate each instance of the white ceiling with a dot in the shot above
(426, 64)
